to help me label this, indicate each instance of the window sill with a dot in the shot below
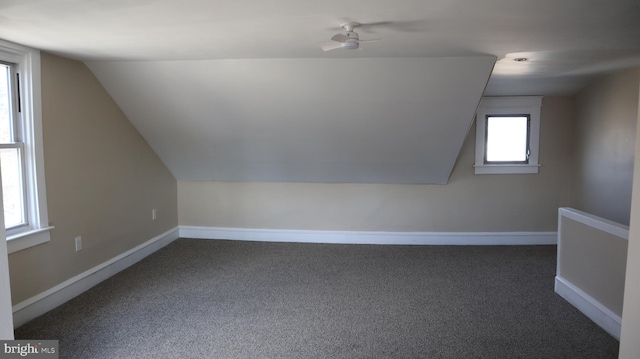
(27, 239)
(505, 169)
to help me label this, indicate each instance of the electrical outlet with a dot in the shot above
(153, 214)
(78, 243)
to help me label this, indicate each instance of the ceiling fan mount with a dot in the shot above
(349, 26)
(348, 40)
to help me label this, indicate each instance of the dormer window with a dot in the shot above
(507, 139)
(507, 135)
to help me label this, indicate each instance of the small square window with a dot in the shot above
(507, 135)
(507, 139)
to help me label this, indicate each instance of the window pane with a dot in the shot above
(507, 139)
(12, 187)
(5, 104)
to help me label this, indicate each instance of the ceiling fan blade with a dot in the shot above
(328, 46)
(370, 40)
(377, 23)
(422, 25)
(370, 27)
(339, 38)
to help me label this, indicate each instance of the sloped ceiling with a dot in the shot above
(240, 90)
(303, 120)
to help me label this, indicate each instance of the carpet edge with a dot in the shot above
(43, 302)
(590, 307)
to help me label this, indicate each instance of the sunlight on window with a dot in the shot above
(507, 139)
(5, 105)
(10, 158)
(12, 192)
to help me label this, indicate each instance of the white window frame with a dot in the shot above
(38, 229)
(520, 105)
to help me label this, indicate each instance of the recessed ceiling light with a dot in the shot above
(520, 59)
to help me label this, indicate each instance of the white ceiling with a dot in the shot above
(250, 51)
(566, 41)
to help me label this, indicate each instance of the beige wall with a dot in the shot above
(606, 113)
(594, 261)
(629, 343)
(469, 203)
(102, 181)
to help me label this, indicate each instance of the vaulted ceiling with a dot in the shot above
(241, 91)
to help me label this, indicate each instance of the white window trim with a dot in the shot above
(508, 106)
(38, 231)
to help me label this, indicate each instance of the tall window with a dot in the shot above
(21, 152)
(11, 149)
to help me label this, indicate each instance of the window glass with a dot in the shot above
(10, 155)
(12, 187)
(5, 104)
(507, 139)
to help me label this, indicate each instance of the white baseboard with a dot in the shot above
(594, 310)
(39, 304)
(355, 237)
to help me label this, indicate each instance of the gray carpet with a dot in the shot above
(223, 299)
